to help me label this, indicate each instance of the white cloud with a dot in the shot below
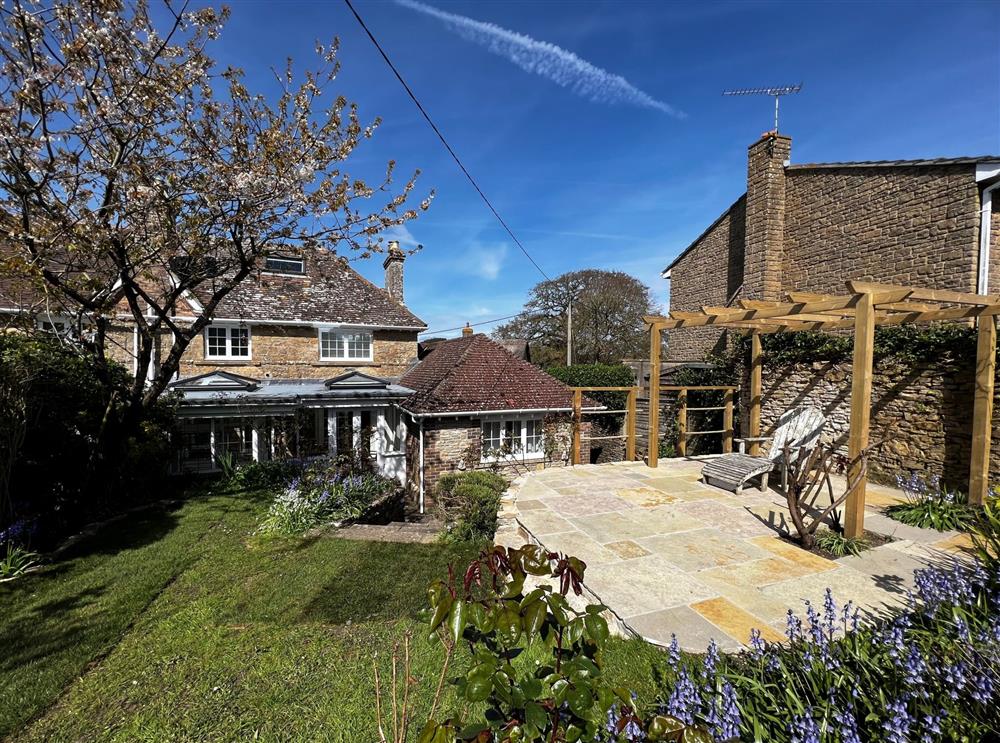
(547, 60)
(484, 261)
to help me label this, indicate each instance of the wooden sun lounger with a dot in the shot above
(798, 431)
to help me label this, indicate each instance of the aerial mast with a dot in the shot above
(776, 91)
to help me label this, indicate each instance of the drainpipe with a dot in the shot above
(985, 225)
(421, 498)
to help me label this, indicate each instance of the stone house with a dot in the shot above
(308, 358)
(811, 227)
(477, 405)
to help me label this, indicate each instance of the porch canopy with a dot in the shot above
(861, 309)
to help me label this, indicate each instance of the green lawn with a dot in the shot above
(174, 625)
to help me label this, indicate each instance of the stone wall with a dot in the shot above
(929, 407)
(450, 444)
(291, 352)
(709, 274)
(902, 225)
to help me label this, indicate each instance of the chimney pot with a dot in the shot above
(467, 330)
(393, 265)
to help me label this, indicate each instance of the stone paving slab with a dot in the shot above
(669, 555)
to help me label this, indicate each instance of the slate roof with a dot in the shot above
(474, 373)
(897, 163)
(329, 291)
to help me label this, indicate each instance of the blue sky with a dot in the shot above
(622, 182)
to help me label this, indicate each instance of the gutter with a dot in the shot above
(480, 413)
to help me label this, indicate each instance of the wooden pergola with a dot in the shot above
(865, 306)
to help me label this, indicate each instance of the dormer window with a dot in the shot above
(284, 264)
(227, 342)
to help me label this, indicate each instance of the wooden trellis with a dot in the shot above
(865, 306)
(629, 411)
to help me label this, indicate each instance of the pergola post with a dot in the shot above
(861, 400)
(630, 424)
(653, 439)
(756, 392)
(577, 423)
(982, 416)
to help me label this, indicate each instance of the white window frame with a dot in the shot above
(519, 451)
(229, 327)
(343, 332)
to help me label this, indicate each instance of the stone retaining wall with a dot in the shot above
(928, 408)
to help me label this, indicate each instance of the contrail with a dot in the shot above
(548, 60)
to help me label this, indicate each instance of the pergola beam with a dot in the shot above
(724, 315)
(927, 295)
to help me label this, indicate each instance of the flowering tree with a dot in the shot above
(135, 172)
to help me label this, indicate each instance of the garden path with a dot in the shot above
(670, 555)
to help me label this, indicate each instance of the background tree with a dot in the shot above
(608, 307)
(134, 172)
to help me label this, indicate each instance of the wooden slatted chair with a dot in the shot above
(798, 431)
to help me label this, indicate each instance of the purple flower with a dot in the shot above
(803, 728)
(729, 716)
(897, 726)
(757, 645)
(683, 700)
(711, 658)
(793, 626)
(848, 725)
(932, 723)
(674, 652)
(915, 667)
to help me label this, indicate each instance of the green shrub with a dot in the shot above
(71, 452)
(597, 375)
(477, 518)
(488, 612)
(261, 475)
(468, 502)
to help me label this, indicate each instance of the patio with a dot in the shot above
(668, 554)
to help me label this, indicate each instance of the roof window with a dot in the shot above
(284, 264)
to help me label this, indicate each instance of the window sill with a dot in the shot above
(345, 362)
(227, 362)
(518, 460)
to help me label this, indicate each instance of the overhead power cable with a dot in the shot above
(440, 136)
(474, 324)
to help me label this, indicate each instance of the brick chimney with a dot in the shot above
(765, 216)
(393, 266)
(467, 330)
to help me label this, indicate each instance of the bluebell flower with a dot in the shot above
(848, 725)
(729, 723)
(915, 667)
(932, 723)
(757, 646)
(897, 725)
(793, 626)
(674, 652)
(683, 700)
(803, 728)
(711, 658)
